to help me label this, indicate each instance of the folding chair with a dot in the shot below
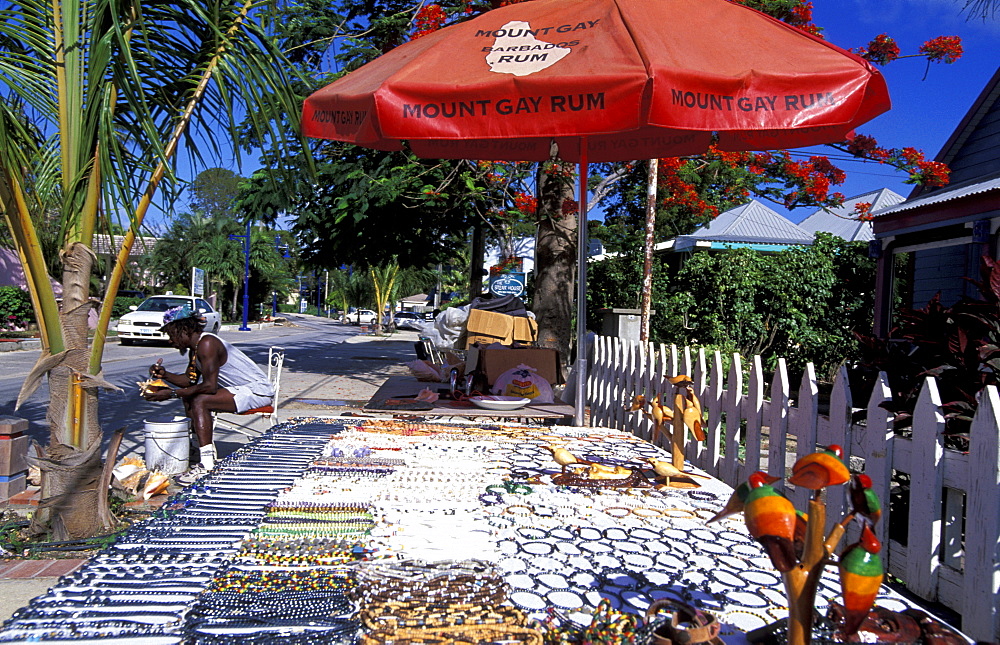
(275, 361)
(426, 351)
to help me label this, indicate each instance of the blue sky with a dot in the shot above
(924, 111)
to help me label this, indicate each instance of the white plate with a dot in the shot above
(500, 402)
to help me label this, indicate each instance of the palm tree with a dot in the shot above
(221, 257)
(386, 288)
(96, 97)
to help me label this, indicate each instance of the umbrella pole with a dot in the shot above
(580, 400)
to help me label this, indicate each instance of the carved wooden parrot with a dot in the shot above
(771, 519)
(861, 574)
(801, 524)
(739, 497)
(864, 501)
(820, 469)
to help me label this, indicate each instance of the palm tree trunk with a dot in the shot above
(71, 465)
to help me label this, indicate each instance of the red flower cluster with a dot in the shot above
(681, 193)
(863, 211)
(813, 177)
(801, 16)
(525, 204)
(506, 265)
(881, 51)
(558, 169)
(864, 146)
(730, 158)
(931, 173)
(927, 173)
(569, 207)
(429, 19)
(946, 49)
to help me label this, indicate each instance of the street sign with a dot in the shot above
(507, 284)
(197, 282)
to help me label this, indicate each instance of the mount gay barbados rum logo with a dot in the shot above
(518, 50)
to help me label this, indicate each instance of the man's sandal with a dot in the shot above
(686, 625)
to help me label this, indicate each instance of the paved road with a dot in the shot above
(327, 365)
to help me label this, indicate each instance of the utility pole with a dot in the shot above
(246, 276)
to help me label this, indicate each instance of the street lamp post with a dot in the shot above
(246, 275)
(278, 247)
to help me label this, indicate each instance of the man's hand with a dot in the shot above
(159, 395)
(156, 370)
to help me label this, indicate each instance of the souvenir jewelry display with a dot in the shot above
(404, 601)
(138, 589)
(278, 601)
(386, 530)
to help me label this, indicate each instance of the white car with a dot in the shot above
(145, 320)
(363, 317)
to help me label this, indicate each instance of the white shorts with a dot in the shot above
(246, 396)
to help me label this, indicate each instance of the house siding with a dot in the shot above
(979, 154)
(940, 269)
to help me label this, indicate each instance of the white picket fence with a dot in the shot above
(952, 554)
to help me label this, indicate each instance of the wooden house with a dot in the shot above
(938, 235)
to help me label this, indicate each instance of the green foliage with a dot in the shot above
(958, 345)
(616, 282)
(803, 304)
(121, 306)
(366, 207)
(203, 242)
(16, 311)
(214, 192)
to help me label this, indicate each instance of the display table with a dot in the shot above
(344, 531)
(396, 397)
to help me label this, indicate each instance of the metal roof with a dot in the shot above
(842, 222)
(951, 193)
(105, 245)
(753, 223)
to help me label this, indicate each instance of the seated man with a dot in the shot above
(219, 378)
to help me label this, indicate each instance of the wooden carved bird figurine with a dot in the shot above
(667, 470)
(690, 407)
(799, 541)
(565, 458)
(771, 519)
(820, 469)
(657, 413)
(861, 574)
(739, 497)
(864, 501)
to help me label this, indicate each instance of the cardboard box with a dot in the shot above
(495, 361)
(487, 327)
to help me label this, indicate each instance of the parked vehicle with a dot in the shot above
(363, 317)
(408, 320)
(143, 322)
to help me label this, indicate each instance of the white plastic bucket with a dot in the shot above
(168, 444)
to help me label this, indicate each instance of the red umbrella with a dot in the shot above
(606, 80)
